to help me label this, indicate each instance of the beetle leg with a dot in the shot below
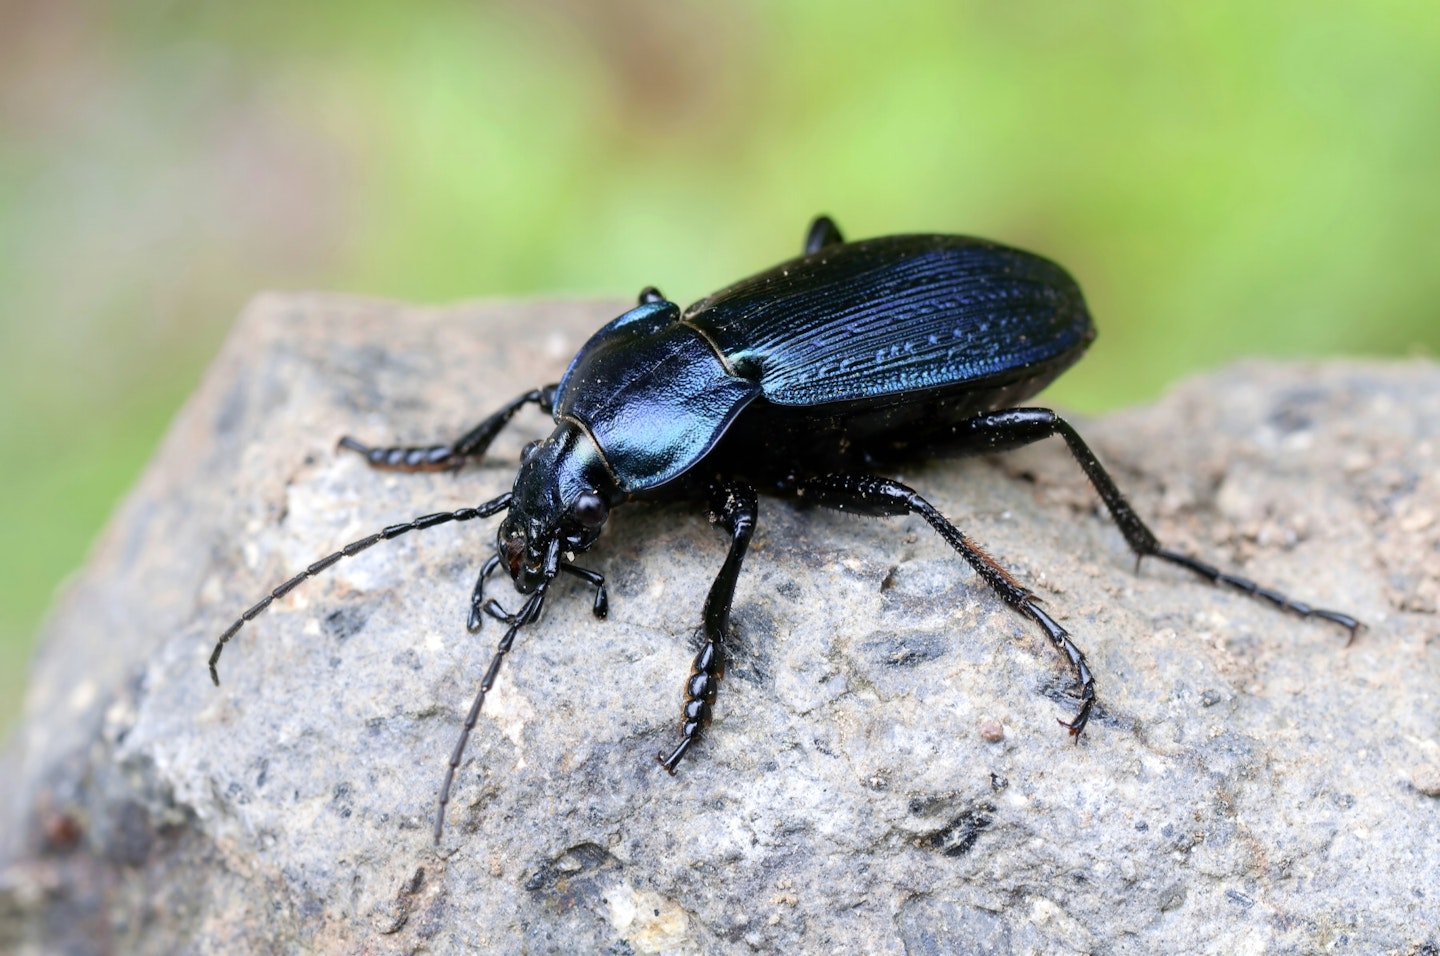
(733, 506)
(823, 232)
(470, 445)
(884, 497)
(527, 614)
(1012, 428)
(595, 580)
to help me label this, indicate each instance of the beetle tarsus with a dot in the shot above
(1086, 680)
(1245, 585)
(672, 761)
(473, 444)
(406, 458)
(879, 496)
(1014, 427)
(732, 506)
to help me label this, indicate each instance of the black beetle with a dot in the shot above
(802, 381)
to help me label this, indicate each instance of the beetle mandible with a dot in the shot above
(805, 380)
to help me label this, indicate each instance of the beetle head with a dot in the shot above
(562, 496)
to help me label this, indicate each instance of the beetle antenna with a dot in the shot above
(528, 612)
(491, 507)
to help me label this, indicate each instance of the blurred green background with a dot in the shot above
(1224, 178)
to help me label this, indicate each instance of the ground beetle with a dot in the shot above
(805, 381)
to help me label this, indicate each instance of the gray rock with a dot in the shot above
(885, 775)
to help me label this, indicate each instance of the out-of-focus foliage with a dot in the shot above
(1223, 178)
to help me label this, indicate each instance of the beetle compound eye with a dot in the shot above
(590, 509)
(529, 449)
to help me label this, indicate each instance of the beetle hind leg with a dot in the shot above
(733, 507)
(1014, 427)
(878, 496)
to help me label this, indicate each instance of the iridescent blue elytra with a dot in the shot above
(834, 340)
(808, 380)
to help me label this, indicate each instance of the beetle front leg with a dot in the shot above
(884, 497)
(733, 507)
(1014, 427)
(470, 445)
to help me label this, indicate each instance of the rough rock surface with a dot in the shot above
(885, 775)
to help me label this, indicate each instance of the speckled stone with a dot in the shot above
(885, 774)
